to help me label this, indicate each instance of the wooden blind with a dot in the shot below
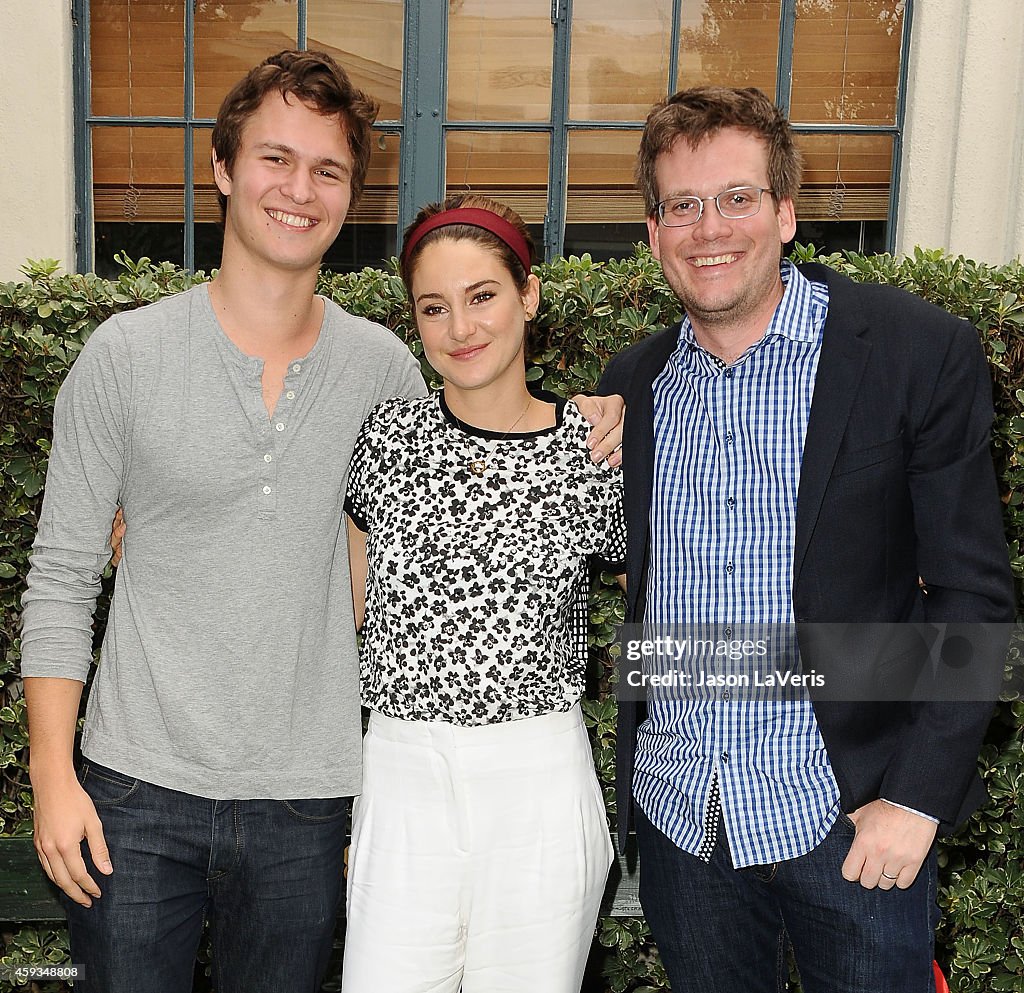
(845, 68)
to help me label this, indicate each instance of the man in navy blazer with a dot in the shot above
(800, 449)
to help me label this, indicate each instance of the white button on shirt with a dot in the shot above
(279, 427)
(268, 457)
(297, 367)
(290, 394)
(266, 489)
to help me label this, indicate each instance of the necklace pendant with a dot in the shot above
(477, 466)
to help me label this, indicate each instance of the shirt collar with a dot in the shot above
(798, 317)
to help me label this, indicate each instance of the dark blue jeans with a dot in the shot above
(266, 873)
(722, 930)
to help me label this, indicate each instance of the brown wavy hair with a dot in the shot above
(312, 77)
(695, 114)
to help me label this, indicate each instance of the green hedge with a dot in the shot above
(590, 311)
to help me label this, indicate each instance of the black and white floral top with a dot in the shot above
(476, 599)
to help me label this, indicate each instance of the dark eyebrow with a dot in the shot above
(469, 289)
(274, 146)
(734, 185)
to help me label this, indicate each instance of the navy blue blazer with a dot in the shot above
(896, 482)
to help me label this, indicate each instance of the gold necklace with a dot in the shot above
(479, 466)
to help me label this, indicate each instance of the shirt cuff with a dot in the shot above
(927, 817)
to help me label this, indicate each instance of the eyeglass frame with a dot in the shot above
(659, 207)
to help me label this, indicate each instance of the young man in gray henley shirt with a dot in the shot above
(222, 733)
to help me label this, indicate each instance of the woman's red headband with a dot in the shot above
(475, 217)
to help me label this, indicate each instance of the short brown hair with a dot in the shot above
(312, 77)
(701, 112)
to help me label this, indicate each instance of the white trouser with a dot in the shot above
(479, 857)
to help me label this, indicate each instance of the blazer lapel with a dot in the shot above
(840, 367)
(638, 455)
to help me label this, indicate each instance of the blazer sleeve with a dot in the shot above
(962, 555)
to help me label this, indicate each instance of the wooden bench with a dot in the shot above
(27, 895)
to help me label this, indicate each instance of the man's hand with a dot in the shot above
(117, 530)
(64, 815)
(890, 846)
(605, 415)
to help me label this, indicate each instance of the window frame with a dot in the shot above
(425, 125)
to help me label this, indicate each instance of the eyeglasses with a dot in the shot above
(741, 201)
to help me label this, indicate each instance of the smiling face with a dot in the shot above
(725, 272)
(470, 315)
(290, 186)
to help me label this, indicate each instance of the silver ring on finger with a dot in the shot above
(887, 876)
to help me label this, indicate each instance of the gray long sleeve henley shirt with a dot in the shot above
(229, 666)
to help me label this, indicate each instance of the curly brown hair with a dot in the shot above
(312, 77)
(695, 114)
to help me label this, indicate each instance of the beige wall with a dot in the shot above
(962, 186)
(36, 134)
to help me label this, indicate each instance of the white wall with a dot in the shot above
(962, 186)
(36, 134)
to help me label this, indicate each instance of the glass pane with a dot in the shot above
(208, 246)
(846, 177)
(620, 56)
(360, 245)
(509, 166)
(202, 177)
(138, 177)
(499, 60)
(365, 36)
(231, 37)
(725, 43)
(866, 237)
(846, 60)
(601, 187)
(379, 202)
(159, 242)
(137, 57)
(138, 174)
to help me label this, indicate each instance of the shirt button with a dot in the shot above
(728, 373)
(266, 489)
(729, 569)
(728, 632)
(290, 394)
(728, 438)
(278, 427)
(726, 695)
(297, 367)
(725, 756)
(268, 457)
(730, 502)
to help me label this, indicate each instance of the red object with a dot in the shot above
(475, 217)
(941, 986)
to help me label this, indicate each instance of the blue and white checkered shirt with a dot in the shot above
(728, 446)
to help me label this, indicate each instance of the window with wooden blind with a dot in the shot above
(536, 102)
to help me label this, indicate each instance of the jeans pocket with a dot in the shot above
(317, 811)
(106, 787)
(844, 821)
